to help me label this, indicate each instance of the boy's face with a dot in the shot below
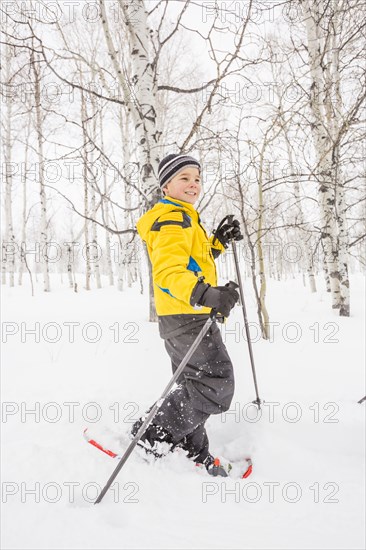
(185, 186)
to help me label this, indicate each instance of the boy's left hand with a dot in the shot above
(228, 232)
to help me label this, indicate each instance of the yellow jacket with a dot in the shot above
(180, 252)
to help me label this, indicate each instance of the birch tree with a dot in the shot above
(83, 116)
(8, 246)
(35, 63)
(139, 89)
(105, 206)
(24, 205)
(328, 124)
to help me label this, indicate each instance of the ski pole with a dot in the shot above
(257, 401)
(157, 405)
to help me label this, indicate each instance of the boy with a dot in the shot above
(185, 291)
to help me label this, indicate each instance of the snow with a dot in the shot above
(307, 444)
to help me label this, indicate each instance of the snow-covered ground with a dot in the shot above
(94, 360)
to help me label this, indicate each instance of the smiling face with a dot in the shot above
(185, 186)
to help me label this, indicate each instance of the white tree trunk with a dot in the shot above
(323, 149)
(95, 246)
(24, 212)
(93, 175)
(335, 101)
(105, 210)
(86, 236)
(262, 274)
(69, 265)
(42, 191)
(141, 90)
(306, 250)
(343, 243)
(8, 260)
(86, 195)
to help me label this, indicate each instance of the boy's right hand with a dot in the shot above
(222, 298)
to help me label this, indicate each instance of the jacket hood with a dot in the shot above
(164, 206)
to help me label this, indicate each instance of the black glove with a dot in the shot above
(229, 231)
(222, 298)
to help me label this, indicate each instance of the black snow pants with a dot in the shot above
(205, 387)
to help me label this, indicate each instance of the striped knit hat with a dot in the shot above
(172, 164)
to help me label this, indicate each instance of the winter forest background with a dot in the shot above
(269, 96)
